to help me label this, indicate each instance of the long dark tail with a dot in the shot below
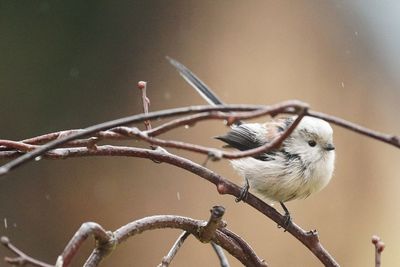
(196, 83)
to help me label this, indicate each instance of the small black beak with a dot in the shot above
(329, 147)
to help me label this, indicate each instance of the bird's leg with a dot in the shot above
(243, 191)
(286, 218)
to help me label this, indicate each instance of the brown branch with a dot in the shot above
(21, 258)
(379, 247)
(104, 242)
(175, 248)
(176, 222)
(242, 112)
(214, 153)
(244, 245)
(284, 107)
(207, 232)
(310, 239)
(224, 186)
(386, 138)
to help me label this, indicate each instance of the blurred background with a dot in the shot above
(72, 64)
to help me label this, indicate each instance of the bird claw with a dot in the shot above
(244, 191)
(287, 220)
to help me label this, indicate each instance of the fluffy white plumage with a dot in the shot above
(303, 165)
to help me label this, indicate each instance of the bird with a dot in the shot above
(301, 166)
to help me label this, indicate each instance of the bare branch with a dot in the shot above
(177, 222)
(224, 186)
(113, 130)
(386, 138)
(175, 248)
(212, 152)
(379, 247)
(245, 246)
(207, 232)
(21, 258)
(284, 107)
(145, 102)
(104, 242)
(223, 260)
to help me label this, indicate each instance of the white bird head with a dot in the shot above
(312, 140)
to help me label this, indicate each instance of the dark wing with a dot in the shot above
(245, 137)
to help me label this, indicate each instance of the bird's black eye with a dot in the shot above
(312, 143)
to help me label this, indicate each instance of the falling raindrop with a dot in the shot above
(178, 195)
(342, 84)
(167, 95)
(186, 126)
(38, 158)
(5, 223)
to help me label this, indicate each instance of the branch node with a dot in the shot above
(379, 247)
(222, 188)
(207, 232)
(312, 235)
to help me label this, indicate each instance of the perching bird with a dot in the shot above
(302, 165)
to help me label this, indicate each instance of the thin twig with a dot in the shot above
(212, 152)
(223, 260)
(283, 107)
(175, 248)
(379, 247)
(21, 258)
(145, 102)
(393, 140)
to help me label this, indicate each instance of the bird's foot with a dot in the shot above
(244, 191)
(287, 219)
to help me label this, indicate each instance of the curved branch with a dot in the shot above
(284, 107)
(224, 186)
(176, 222)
